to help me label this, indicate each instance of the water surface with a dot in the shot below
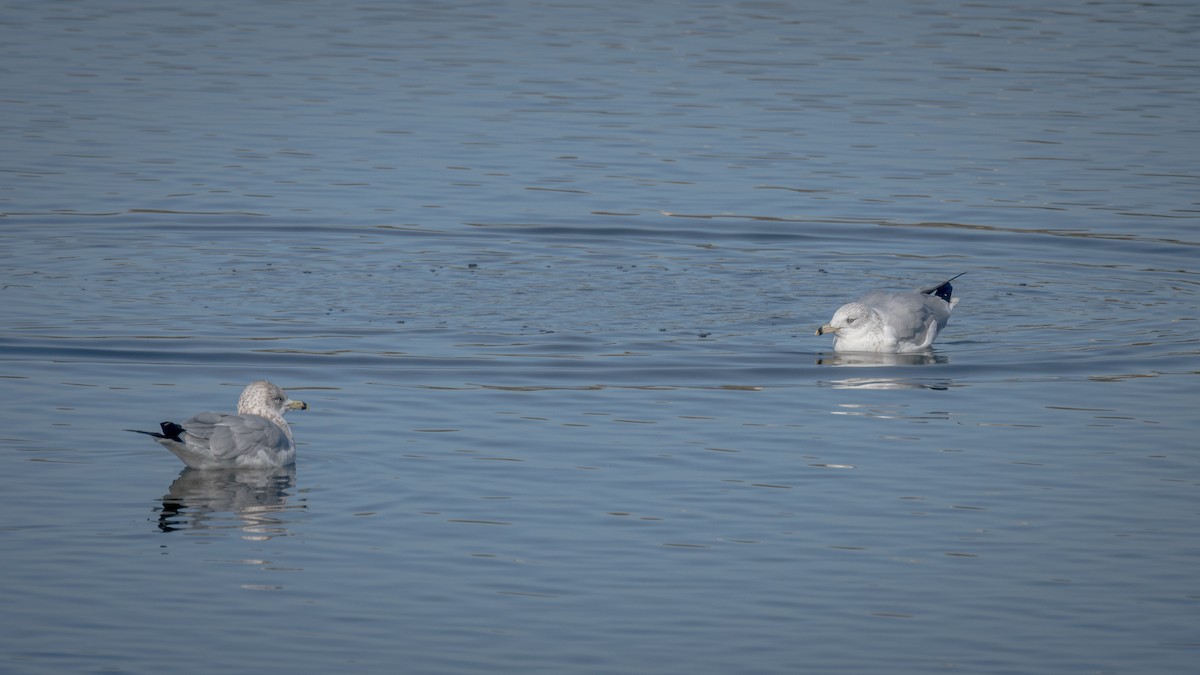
(547, 275)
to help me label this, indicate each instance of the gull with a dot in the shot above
(886, 322)
(257, 437)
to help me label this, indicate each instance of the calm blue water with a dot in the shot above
(547, 275)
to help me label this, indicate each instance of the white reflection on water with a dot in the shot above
(867, 360)
(872, 359)
(889, 383)
(248, 499)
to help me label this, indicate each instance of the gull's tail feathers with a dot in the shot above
(943, 290)
(170, 430)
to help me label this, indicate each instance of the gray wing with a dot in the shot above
(908, 317)
(229, 436)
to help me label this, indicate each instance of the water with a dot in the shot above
(547, 276)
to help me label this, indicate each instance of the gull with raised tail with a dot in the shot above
(885, 322)
(256, 437)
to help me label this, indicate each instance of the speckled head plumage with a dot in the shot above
(851, 322)
(268, 400)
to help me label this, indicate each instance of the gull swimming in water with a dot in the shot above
(892, 323)
(257, 437)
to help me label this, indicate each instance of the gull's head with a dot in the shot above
(266, 400)
(850, 318)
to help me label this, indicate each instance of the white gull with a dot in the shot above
(886, 322)
(257, 437)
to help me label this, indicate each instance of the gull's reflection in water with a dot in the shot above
(890, 381)
(220, 499)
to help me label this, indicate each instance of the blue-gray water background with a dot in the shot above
(547, 274)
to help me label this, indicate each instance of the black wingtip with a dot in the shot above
(171, 430)
(148, 433)
(944, 289)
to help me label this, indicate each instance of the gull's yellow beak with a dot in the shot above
(827, 328)
(297, 405)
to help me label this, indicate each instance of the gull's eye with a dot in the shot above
(851, 319)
